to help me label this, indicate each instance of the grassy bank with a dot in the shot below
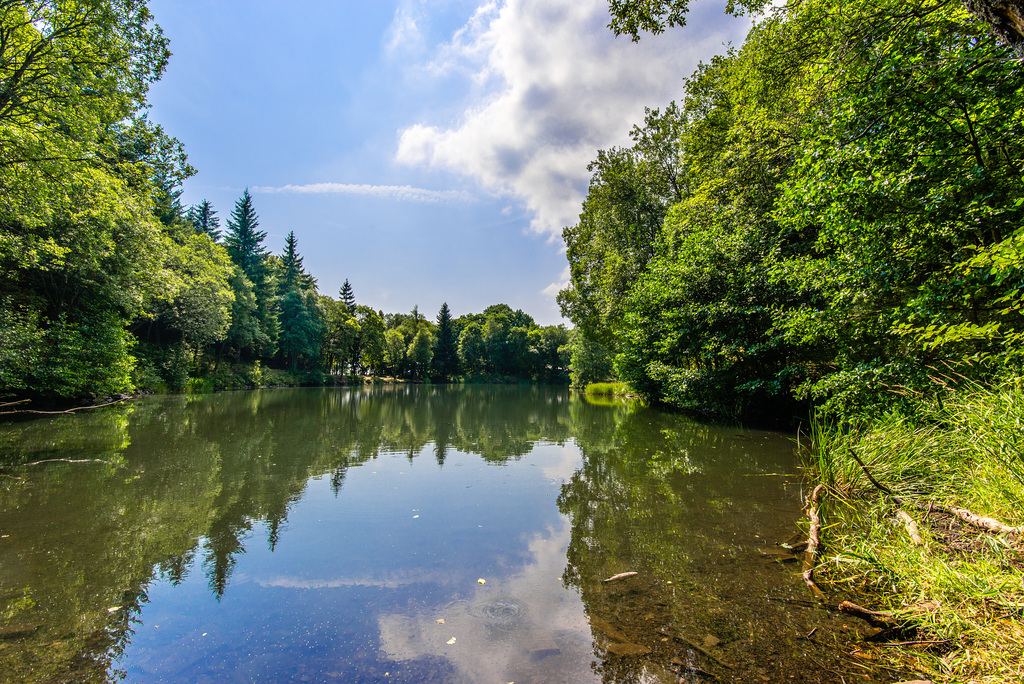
(616, 389)
(959, 591)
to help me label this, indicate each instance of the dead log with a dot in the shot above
(971, 518)
(812, 544)
(911, 525)
(982, 522)
(876, 618)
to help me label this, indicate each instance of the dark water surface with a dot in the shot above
(401, 534)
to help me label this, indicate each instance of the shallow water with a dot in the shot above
(401, 534)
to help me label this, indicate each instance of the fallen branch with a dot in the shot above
(911, 525)
(700, 649)
(876, 618)
(969, 517)
(53, 460)
(55, 413)
(14, 403)
(982, 522)
(812, 544)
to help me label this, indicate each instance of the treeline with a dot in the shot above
(831, 216)
(279, 320)
(108, 283)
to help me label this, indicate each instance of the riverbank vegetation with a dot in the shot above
(828, 223)
(831, 210)
(897, 487)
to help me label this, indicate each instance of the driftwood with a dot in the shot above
(54, 413)
(812, 544)
(53, 460)
(876, 618)
(973, 519)
(911, 525)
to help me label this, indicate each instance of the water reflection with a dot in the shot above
(319, 535)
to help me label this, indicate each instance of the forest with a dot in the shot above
(109, 284)
(828, 220)
(828, 223)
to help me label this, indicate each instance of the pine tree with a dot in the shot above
(243, 240)
(203, 218)
(167, 199)
(347, 297)
(446, 353)
(293, 274)
(245, 246)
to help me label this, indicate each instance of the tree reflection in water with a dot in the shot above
(187, 480)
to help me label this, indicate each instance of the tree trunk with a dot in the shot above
(1005, 19)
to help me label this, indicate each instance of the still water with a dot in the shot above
(401, 534)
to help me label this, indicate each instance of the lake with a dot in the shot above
(402, 534)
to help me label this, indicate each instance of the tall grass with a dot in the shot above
(619, 389)
(964, 449)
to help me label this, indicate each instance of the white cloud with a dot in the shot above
(551, 86)
(405, 193)
(404, 32)
(553, 289)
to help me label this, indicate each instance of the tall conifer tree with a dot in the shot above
(348, 298)
(446, 353)
(204, 219)
(293, 274)
(244, 241)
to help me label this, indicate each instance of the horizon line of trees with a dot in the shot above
(108, 283)
(280, 319)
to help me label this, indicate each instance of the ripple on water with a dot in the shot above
(501, 611)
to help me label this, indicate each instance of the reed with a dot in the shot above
(964, 448)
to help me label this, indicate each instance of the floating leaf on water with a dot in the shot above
(481, 581)
(451, 641)
(440, 621)
(113, 609)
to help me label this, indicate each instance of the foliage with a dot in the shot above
(619, 389)
(446, 353)
(846, 213)
(961, 447)
(589, 361)
(204, 219)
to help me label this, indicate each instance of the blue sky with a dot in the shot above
(426, 150)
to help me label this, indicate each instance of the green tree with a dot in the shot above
(630, 193)
(347, 297)
(244, 240)
(589, 361)
(204, 219)
(472, 350)
(394, 353)
(302, 329)
(446, 353)
(79, 247)
(341, 335)
(421, 351)
(371, 343)
(292, 272)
